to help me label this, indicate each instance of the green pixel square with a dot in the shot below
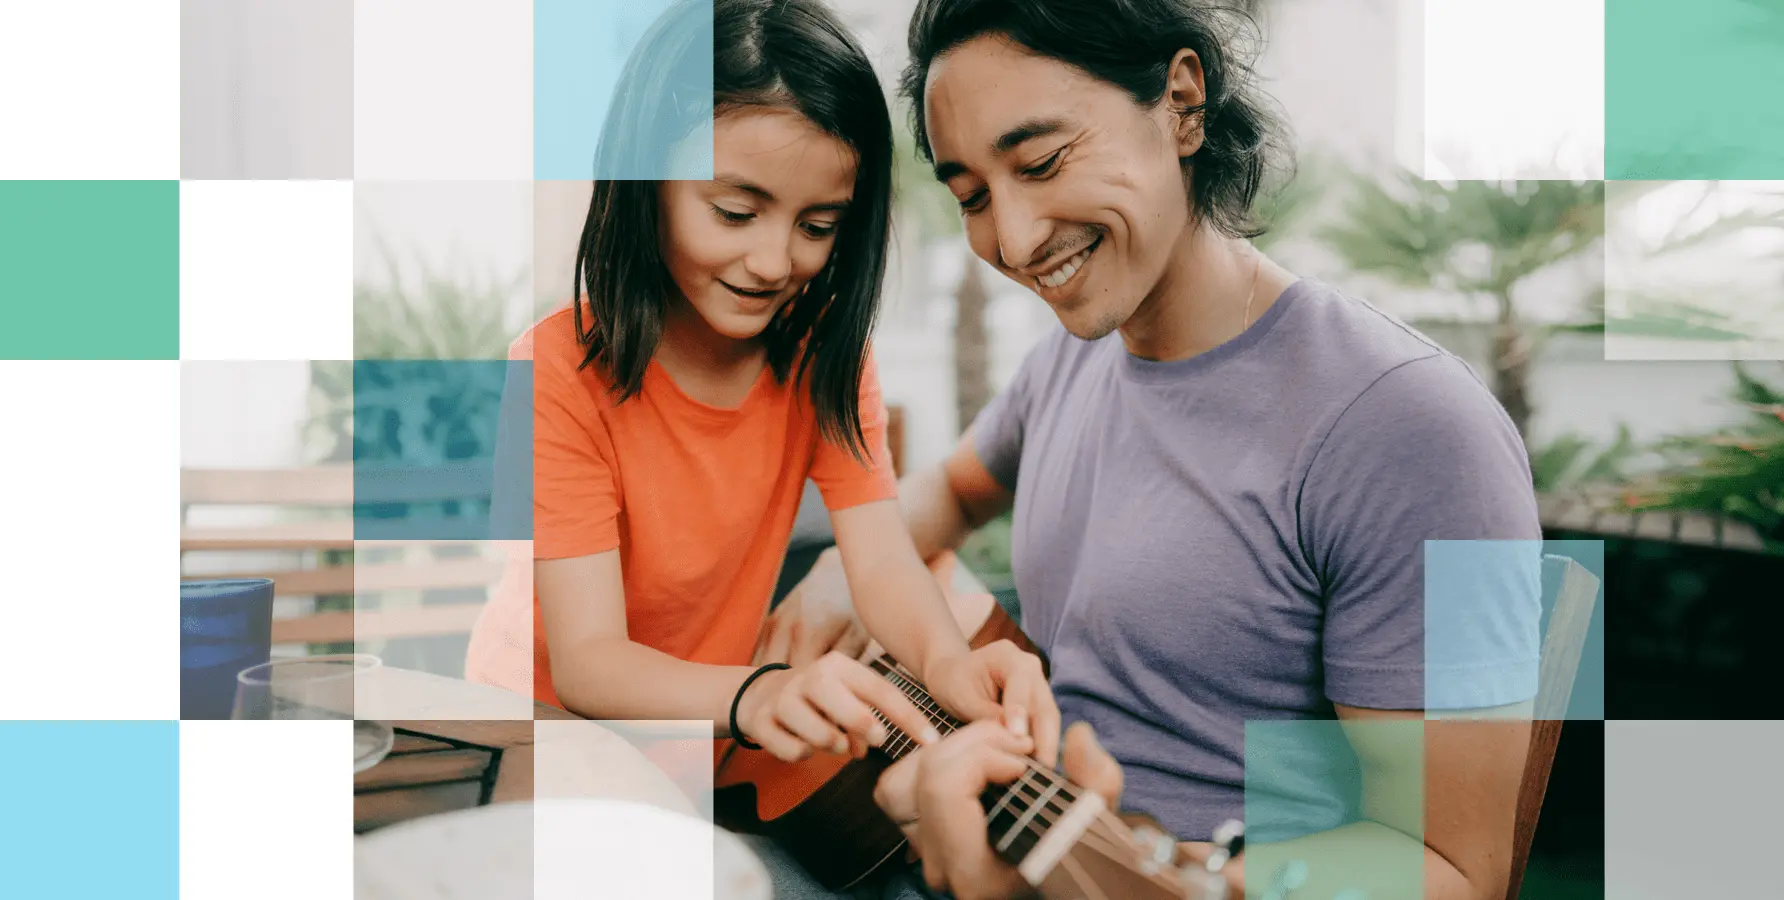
(1691, 90)
(89, 270)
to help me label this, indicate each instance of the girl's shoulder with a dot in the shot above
(557, 353)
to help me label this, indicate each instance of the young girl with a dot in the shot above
(718, 360)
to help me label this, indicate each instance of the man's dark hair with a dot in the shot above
(1130, 44)
(789, 54)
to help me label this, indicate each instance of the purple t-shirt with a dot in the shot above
(1240, 536)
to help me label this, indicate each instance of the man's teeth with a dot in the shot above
(1065, 272)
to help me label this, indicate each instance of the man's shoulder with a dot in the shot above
(1349, 337)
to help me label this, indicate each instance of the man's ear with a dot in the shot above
(1185, 89)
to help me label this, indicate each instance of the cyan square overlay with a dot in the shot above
(1692, 90)
(622, 90)
(92, 810)
(1483, 623)
(90, 269)
(442, 450)
(1488, 606)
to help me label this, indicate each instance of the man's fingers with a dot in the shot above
(853, 642)
(809, 643)
(1046, 726)
(834, 699)
(956, 854)
(896, 791)
(1090, 766)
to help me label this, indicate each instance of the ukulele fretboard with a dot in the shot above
(1017, 815)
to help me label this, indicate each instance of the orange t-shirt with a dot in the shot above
(699, 500)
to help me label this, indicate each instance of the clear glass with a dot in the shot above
(314, 687)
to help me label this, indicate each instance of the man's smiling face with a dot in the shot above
(1066, 185)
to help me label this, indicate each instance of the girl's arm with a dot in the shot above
(895, 594)
(898, 600)
(598, 672)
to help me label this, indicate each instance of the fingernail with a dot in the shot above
(929, 736)
(840, 747)
(877, 735)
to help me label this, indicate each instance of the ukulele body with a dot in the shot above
(821, 810)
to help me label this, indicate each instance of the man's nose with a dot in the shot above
(1021, 233)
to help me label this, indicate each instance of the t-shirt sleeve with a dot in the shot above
(576, 498)
(844, 480)
(998, 428)
(1419, 519)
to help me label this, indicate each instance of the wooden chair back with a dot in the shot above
(423, 565)
(1570, 593)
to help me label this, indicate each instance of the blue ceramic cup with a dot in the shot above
(225, 627)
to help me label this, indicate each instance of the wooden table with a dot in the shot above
(461, 745)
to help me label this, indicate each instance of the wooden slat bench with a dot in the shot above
(420, 565)
(1599, 517)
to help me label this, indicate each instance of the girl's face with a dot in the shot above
(745, 244)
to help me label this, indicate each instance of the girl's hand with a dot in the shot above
(996, 680)
(826, 706)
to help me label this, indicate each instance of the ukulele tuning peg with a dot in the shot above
(1229, 841)
(1159, 848)
(1288, 879)
(1230, 836)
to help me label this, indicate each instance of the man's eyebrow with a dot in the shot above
(1024, 132)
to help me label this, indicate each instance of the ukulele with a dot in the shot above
(1068, 845)
(821, 810)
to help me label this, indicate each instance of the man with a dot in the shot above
(1223, 480)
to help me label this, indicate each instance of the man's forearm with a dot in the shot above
(933, 514)
(1382, 863)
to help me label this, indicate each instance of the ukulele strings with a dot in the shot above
(1025, 790)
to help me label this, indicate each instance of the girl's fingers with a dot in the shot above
(786, 746)
(834, 699)
(799, 716)
(892, 703)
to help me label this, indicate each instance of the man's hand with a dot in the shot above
(934, 795)
(816, 617)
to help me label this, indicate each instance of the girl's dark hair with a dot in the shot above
(790, 54)
(1130, 44)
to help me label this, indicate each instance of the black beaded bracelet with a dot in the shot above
(737, 733)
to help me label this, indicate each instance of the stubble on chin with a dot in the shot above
(1097, 329)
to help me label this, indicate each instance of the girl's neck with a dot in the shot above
(706, 365)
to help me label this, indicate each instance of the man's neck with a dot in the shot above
(1200, 301)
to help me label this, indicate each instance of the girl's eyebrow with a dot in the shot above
(738, 182)
(745, 185)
